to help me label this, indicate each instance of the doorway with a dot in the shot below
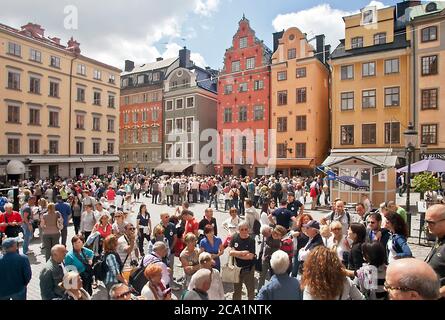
(53, 171)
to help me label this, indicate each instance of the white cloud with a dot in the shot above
(198, 59)
(206, 7)
(172, 50)
(321, 19)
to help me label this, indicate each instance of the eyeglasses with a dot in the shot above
(433, 223)
(371, 222)
(387, 287)
(122, 295)
(131, 229)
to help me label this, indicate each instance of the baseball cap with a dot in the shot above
(312, 224)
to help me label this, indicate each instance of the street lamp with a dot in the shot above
(410, 136)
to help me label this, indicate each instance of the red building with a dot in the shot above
(244, 104)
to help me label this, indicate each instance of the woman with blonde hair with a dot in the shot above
(324, 278)
(51, 222)
(338, 242)
(190, 257)
(158, 235)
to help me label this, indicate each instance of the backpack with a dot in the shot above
(256, 227)
(347, 215)
(100, 268)
(137, 279)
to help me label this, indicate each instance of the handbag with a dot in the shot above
(230, 273)
(59, 221)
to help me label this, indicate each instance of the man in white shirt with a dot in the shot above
(100, 211)
(128, 250)
(339, 214)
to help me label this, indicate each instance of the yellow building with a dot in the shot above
(300, 102)
(427, 35)
(371, 105)
(61, 108)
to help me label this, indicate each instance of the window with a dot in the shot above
(54, 89)
(291, 53)
(156, 76)
(13, 146)
(135, 136)
(347, 101)
(96, 124)
(300, 150)
(429, 34)
(227, 115)
(243, 143)
(282, 98)
(168, 150)
(380, 38)
(80, 94)
(179, 104)
(250, 63)
(126, 118)
(154, 135)
(126, 100)
(111, 101)
(110, 147)
(392, 97)
(243, 87)
(429, 65)
(13, 114)
(53, 147)
(301, 72)
(55, 62)
(282, 75)
(392, 133)
(391, 66)
(347, 135)
(189, 124)
(14, 49)
(368, 69)
(235, 66)
(282, 124)
(96, 147)
(190, 102)
(369, 134)
(301, 95)
(80, 147)
(168, 105)
(301, 123)
(228, 89)
(13, 80)
(125, 82)
(429, 99)
(141, 79)
(54, 119)
(429, 133)
(34, 146)
(242, 114)
(80, 122)
(281, 151)
(258, 113)
(368, 99)
(144, 135)
(135, 116)
(81, 69)
(357, 42)
(35, 55)
(112, 79)
(97, 99)
(110, 125)
(259, 142)
(179, 125)
(34, 85)
(243, 42)
(168, 126)
(347, 72)
(189, 150)
(34, 117)
(154, 115)
(179, 150)
(258, 85)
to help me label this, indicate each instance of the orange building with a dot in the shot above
(299, 102)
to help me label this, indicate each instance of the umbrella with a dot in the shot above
(431, 165)
(353, 182)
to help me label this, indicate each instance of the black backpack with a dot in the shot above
(347, 215)
(137, 279)
(100, 268)
(256, 227)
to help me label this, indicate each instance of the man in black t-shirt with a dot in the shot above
(208, 219)
(243, 249)
(283, 216)
(295, 206)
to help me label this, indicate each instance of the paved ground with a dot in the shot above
(37, 258)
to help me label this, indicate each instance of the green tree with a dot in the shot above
(425, 182)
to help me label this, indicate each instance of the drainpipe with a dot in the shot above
(414, 102)
(70, 113)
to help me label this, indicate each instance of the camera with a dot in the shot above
(134, 263)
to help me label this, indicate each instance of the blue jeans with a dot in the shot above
(27, 236)
(295, 266)
(21, 295)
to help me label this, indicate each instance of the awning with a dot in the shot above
(15, 167)
(173, 167)
(300, 163)
(50, 160)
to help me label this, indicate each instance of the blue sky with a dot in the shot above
(141, 30)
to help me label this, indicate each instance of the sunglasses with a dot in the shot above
(371, 222)
(132, 229)
(433, 223)
(334, 229)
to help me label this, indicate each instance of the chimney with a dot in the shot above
(34, 29)
(276, 37)
(401, 7)
(129, 65)
(56, 40)
(207, 68)
(74, 46)
(159, 59)
(320, 47)
(184, 58)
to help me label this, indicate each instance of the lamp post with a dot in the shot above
(410, 136)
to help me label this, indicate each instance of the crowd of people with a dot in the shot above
(342, 256)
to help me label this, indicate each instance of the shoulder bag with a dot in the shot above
(230, 273)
